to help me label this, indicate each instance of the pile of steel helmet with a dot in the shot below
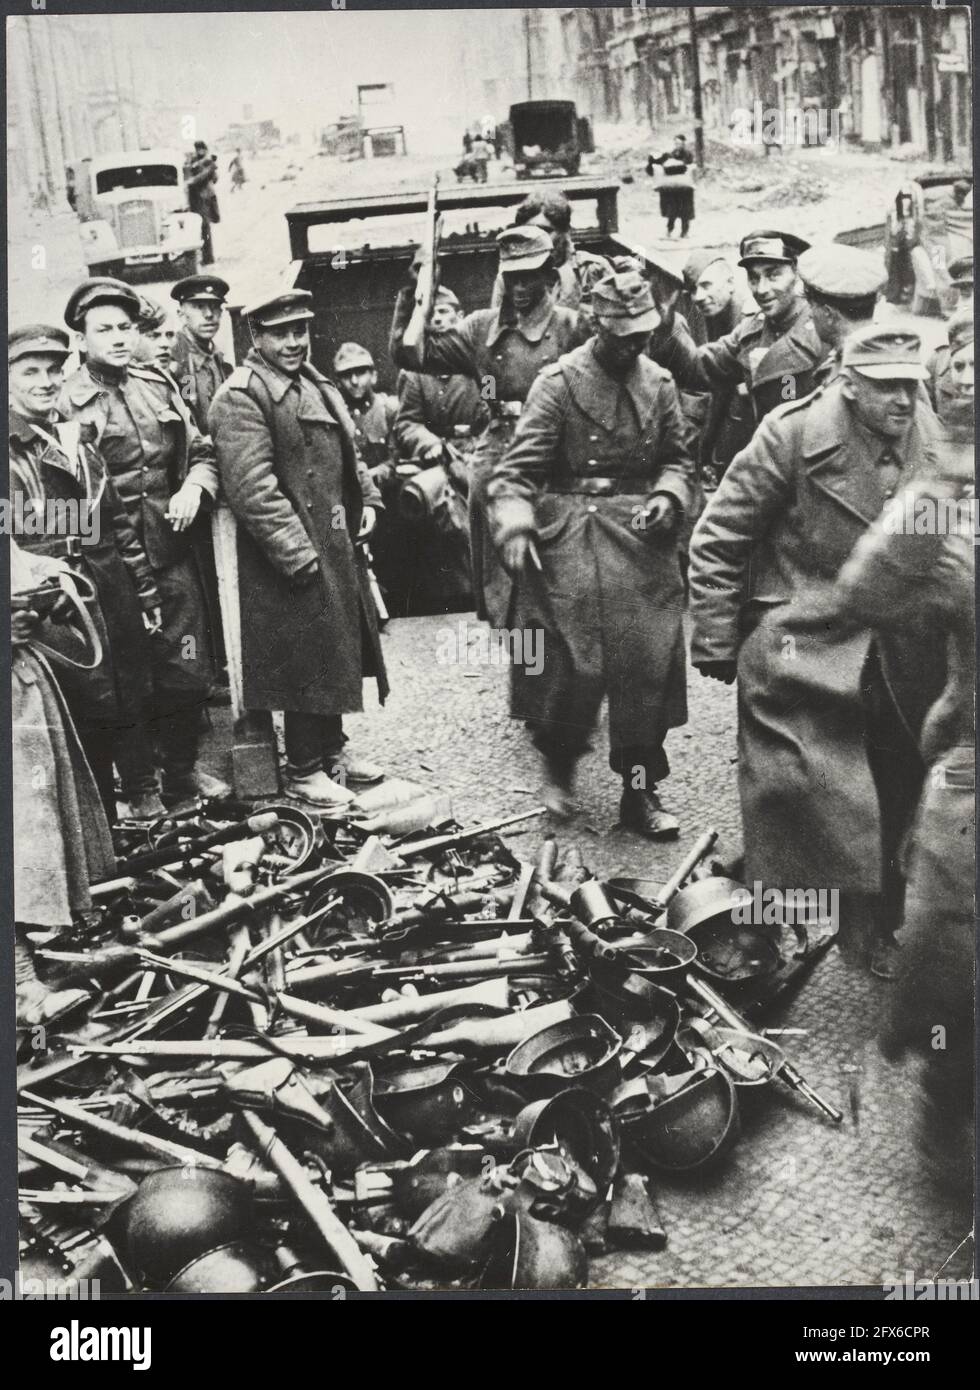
(321, 1059)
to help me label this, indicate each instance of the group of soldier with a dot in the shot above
(628, 465)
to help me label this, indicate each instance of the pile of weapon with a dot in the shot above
(317, 1059)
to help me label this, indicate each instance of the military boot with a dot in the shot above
(640, 809)
(558, 784)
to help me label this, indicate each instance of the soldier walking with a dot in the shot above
(827, 719)
(302, 497)
(585, 505)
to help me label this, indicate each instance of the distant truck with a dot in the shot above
(133, 214)
(547, 138)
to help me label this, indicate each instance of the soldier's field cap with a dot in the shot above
(842, 272)
(885, 355)
(36, 340)
(523, 248)
(281, 308)
(200, 287)
(771, 246)
(444, 295)
(960, 330)
(961, 271)
(152, 314)
(101, 289)
(624, 304)
(349, 357)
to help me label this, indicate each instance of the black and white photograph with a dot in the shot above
(491, 530)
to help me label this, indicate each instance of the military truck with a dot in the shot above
(133, 214)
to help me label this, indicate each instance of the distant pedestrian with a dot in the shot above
(237, 170)
(201, 177)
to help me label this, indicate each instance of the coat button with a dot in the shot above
(591, 507)
(593, 463)
(309, 472)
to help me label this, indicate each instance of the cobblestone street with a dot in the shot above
(800, 1201)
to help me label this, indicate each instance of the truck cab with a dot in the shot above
(133, 213)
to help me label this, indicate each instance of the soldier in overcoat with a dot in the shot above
(585, 506)
(825, 712)
(302, 498)
(164, 472)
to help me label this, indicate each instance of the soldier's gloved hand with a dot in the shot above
(184, 506)
(514, 553)
(724, 671)
(369, 519)
(306, 577)
(152, 620)
(660, 515)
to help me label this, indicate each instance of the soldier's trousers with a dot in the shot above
(641, 765)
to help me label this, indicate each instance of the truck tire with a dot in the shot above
(187, 264)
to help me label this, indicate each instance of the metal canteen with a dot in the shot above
(428, 1101)
(528, 1253)
(455, 1230)
(234, 1268)
(583, 1051)
(178, 1214)
(679, 1124)
(583, 1127)
(430, 1173)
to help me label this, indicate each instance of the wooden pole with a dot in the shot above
(696, 83)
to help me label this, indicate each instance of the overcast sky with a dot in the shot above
(302, 70)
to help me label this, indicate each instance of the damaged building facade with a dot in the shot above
(884, 77)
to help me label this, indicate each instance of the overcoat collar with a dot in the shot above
(532, 327)
(842, 457)
(596, 393)
(278, 383)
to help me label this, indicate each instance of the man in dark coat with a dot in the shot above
(164, 472)
(585, 505)
(769, 358)
(826, 716)
(199, 367)
(200, 180)
(73, 513)
(502, 350)
(302, 498)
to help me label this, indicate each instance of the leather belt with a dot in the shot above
(597, 487)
